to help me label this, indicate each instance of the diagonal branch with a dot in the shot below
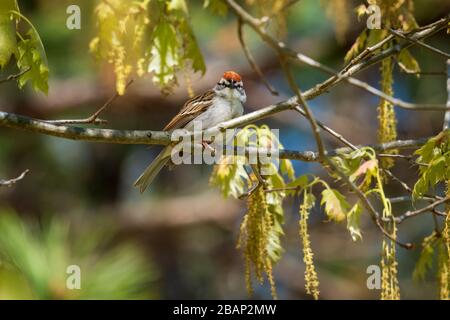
(15, 76)
(430, 207)
(419, 43)
(346, 73)
(251, 60)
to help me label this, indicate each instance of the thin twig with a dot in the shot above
(430, 207)
(419, 43)
(425, 73)
(338, 136)
(308, 113)
(401, 199)
(15, 76)
(298, 57)
(405, 186)
(366, 52)
(94, 118)
(11, 182)
(251, 60)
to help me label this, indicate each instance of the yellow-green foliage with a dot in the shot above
(397, 14)
(216, 6)
(435, 154)
(23, 43)
(256, 233)
(425, 261)
(435, 246)
(139, 37)
(8, 42)
(261, 229)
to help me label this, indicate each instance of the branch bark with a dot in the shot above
(148, 137)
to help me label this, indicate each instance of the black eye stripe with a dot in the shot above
(230, 84)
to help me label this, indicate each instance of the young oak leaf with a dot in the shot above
(407, 62)
(217, 6)
(425, 261)
(436, 154)
(336, 206)
(366, 167)
(8, 43)
(165, 57)
(175, 47)
(31, 57)
(353, 221)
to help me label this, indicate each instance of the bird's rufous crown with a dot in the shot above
(231, 75)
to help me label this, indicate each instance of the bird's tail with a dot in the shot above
(153, 169)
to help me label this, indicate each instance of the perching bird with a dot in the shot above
(223, 102)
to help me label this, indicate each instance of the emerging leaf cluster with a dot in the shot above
(434, 160)
(26, 47)
(146, 36)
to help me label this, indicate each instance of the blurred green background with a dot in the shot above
(77, 205)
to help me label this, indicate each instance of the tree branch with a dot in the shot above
(149, 137)
(15, 76)
(419, 43)
(430, 207)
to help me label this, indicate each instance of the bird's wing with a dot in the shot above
(191, 109)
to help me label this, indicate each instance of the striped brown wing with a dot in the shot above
(191, 109)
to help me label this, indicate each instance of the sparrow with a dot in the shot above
(221, 103)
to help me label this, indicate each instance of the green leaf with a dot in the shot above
(367, 167)
(287, 168)
(31, 57)
(335, 204)
(425, 261)
(164, 54)
(178, 5)
(353, 221)
(435, 154)
(192, 50)
(434, 173)
(219, 7)
(8, 43)
(407, 62)
(300, 182)
(357, 47)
